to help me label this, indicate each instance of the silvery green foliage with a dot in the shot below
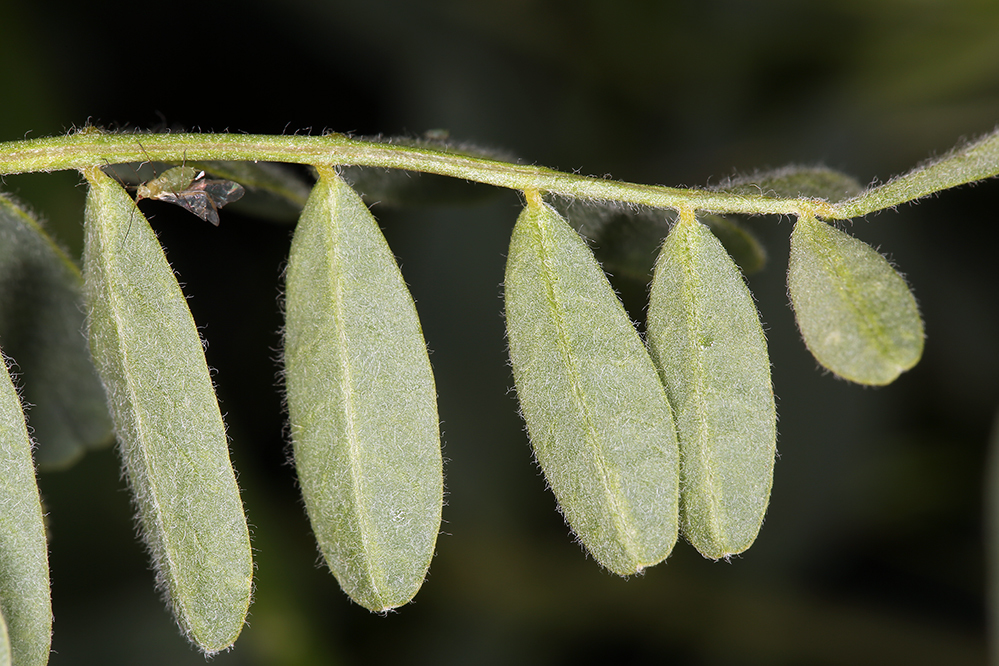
(597, 416)
(362, 402)
(41, 325)
(166, 416)
(24, 571)
(856, 314)
(360, 390)
(705, 336)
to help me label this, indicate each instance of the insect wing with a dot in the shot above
(221, 192)
(204, 197)
(194, 201)
(189, 189)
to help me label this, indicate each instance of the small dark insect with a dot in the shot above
(188, 188)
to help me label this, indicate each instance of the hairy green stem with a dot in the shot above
(93, 147)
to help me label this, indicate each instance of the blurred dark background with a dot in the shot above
(872, 552)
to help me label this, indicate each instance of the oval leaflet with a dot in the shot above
(704, 334)
(855, 312)
(597, 416)
(361, 400)
(173, 442)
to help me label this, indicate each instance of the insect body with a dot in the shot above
(188, 188)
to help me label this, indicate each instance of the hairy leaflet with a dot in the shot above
(596, 413)
(362, 401)
(173, 442)
(705, 336)
(856, 314)
(24, 566)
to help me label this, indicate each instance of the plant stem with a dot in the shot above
(93, 147)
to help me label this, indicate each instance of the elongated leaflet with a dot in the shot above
(41, 317)
(173, 442)
(5, 657)
(362, 401)
(596, 413)
(705, 336)
(856, 314)
(24, 566)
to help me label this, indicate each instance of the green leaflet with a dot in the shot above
(744, 248)
(41, 325)
(5, 656)
(173, 442)
(625, 238)
(596, 413)
(856, 314)
(964, 164)
(24, 566)
(361, 400)
(796, 181)
(705, 336)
